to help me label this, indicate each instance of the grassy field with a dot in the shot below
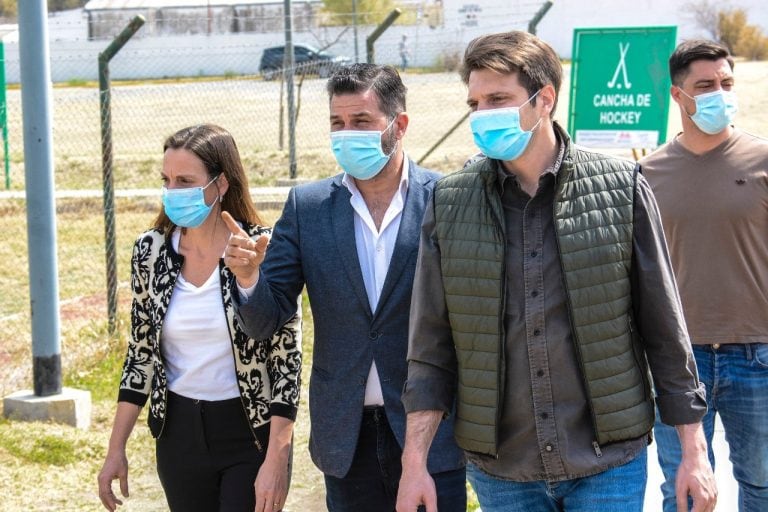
(144, 114)
(51, 467)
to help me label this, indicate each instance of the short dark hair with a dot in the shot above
(384, 80)
(692, 50)
(534, 61)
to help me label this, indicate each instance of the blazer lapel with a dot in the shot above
(343, 220)
(408, 234)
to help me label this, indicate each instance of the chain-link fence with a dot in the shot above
(183, 80)
(215, 78)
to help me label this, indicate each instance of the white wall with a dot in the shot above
(73, 57)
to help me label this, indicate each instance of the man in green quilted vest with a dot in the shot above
(545, 312)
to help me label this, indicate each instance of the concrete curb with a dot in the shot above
(265, 198)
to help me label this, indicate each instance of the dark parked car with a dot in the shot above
(307, 60)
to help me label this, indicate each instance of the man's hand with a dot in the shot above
(416, 488)
(694, 476)
(416, 485)
(243, 256)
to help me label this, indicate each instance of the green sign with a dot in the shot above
(620, 86)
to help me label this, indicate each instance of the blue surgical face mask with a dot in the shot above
(359, 152)
(186, 206)
(714, 110)
(498, 134)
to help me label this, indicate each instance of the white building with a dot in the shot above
(437, 34)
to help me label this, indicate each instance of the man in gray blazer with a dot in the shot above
(353, 240)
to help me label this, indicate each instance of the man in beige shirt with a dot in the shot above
(711, 185)
(542, 300)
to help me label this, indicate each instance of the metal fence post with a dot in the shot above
(389, 20)
(288, 74)
(538, 16)
(106, 160)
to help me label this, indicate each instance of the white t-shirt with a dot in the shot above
(195, 342)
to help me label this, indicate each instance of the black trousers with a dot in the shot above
(207, 459)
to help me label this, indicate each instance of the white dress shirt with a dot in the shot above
(374, 251)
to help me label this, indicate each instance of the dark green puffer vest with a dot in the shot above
(593, 214)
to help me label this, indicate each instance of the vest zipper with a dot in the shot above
(501, 368)
(574, 334)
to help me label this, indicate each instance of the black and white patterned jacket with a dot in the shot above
(268, 371)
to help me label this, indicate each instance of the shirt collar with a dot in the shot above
(349, 182)
(502, 174)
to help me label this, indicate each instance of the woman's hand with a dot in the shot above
(115, 467)
(271, 484)
(116, 464)
(243, 255)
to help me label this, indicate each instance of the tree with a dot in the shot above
(369, 12)
(731, 25)
(706, 15)
(63, 5)
(741, 38)
(8, 8)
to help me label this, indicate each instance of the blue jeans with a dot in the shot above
(371, 483)
(736, 378)
(619, 489)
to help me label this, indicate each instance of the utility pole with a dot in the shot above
(41, 204)
(47, 401)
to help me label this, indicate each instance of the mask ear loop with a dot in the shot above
(691, 98)
(397, 141)
(533, 128)
(531, 98)
(220, 196)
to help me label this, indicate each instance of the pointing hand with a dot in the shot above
(243, 255)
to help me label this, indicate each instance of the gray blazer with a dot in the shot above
(313, 243)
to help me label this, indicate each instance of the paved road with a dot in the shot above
(265, 198)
